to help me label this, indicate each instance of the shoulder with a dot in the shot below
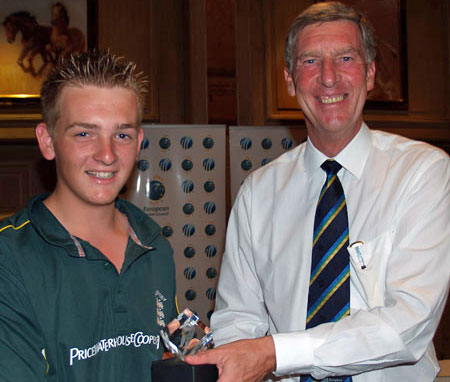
(398, 147)
(280, 169)
(15, 225)
(17, 236)
(417, 165)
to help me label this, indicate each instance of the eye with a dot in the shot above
(82, 134)
(310, 61)
(123, 136)
(347, 58)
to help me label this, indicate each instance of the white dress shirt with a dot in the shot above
(398, 202)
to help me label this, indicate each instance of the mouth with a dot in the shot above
(331, 99)
(101, 174)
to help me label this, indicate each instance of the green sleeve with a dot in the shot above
(21, 342)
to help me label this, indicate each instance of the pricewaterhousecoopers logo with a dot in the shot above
(137, 340)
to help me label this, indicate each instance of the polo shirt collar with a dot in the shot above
(54, 232)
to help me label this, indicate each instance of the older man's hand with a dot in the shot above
(243, 361)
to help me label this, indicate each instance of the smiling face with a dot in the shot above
(95, 145)
(331, 80)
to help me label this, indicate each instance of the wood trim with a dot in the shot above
(445, 368)
(4, 215)
(270, 66)
(17, 133)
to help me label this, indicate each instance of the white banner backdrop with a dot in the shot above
(180, 183)
(254, 146)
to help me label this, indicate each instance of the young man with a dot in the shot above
(87, 279)
(343, 281)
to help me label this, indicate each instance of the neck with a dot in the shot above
(331, 144)
(104, 227)
(81, 219)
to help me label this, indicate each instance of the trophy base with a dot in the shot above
(175, 370)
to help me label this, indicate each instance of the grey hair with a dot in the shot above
(324, 12)
(102, 69)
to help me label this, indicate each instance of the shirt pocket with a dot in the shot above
(368, 261)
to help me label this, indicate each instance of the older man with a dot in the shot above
(337, 255)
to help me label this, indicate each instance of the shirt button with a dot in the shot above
(106, 265)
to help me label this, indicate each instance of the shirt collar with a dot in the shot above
(142, 232)
(353, 157)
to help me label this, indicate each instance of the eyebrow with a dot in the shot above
(349, 49)
(91, 126)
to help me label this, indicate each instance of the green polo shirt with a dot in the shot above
(66, 314)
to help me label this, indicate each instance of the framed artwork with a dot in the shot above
(388, 19)
(34, 35)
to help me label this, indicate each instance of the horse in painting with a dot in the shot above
(34, 40)
(63, 39)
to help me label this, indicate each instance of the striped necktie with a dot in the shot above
(329, 286)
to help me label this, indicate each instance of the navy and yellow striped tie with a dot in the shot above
(329, 286)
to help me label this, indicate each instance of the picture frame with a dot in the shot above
(389, 21)
(27, 57)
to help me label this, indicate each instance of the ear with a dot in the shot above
(289, 82)
(45, 141)
(370, 76)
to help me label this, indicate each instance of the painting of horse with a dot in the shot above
(64, 39)
(34, 35)
(34, 40)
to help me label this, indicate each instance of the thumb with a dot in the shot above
(202, 357)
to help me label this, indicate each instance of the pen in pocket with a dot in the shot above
(357, 245)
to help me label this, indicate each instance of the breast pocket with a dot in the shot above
(368, 261)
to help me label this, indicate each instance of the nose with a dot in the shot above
(106, 152)
(328, 74)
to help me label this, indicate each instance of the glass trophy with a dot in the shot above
(185, 335)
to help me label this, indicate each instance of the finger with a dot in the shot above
(203, 357)
(192, 343)
(173, 325)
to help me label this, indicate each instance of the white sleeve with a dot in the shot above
(240, 311)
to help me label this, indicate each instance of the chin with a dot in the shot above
(103, 200)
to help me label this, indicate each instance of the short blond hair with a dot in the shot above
(102, 69)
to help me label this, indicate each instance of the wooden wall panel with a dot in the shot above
(126, 28)
(197, 90)
(23, 173)
(15, 180)
(221, 61)
(250, 82)
(153, 34)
